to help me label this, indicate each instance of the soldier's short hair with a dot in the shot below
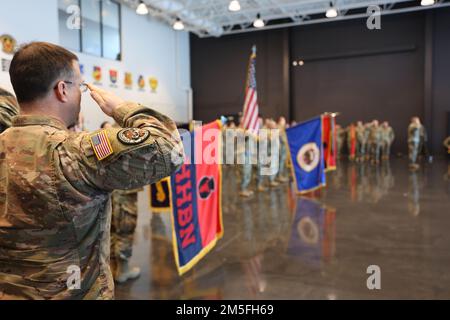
(35, 68)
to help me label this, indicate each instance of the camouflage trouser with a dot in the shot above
(386, 149)
(262, 174)
(246, 175)
(413, 148)
(375, 148)
(123, 224)
(360, 149)
(283, 156)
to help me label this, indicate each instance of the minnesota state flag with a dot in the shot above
(306, 154)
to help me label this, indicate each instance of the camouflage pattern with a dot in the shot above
(387, 138)
(375, 143)
(9, 108)
(447, 144)
(361, 141)
(283, 155)
(247, 156)
(123, 224)
(55, 208)
(414, 138)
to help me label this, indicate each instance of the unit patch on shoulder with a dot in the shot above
(132, 136)
(102, 145)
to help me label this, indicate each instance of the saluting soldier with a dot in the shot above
(56, 184)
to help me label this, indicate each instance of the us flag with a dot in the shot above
(101, 145)
(251, 108)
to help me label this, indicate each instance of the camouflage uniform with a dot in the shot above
(247, 154)
(361, 142)
(388, 136)
(375, 143)
(123, 226)
(413, 143)
(283, 157)
(447, 144)
(55, 208)
(8, 109)
(264, 166)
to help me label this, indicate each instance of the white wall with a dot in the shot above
(149, 48)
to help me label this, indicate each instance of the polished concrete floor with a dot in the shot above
(279, 246)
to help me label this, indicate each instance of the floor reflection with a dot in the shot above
(280, 246)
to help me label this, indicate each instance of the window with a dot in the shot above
(91, 26)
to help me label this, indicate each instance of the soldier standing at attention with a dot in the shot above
(375, 142)
(388, 137)
(55, 185)
(414, 131)
(360, 141)
(246, 153)
(8, 109)
(282, 176)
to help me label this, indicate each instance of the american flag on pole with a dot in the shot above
(101, 145)
(251, 108)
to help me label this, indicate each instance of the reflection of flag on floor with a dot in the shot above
(253, 275)
(160, 196)
(196, 199)
(329, 141)
(306, 150)
(312, 236)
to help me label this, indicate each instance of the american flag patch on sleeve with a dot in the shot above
(102, 146)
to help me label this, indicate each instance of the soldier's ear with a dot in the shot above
(61, 91)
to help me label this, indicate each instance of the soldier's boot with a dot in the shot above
(125, 273)
(274, 184)
(261, 188)
(246, 193)
(283, 179)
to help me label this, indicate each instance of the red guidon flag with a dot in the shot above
(196, 197)
(329, 141)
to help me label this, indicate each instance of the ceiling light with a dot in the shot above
(301, 63)
(234, 6)
(331, 12)
(425, 3)
(142, 9)
(259, 23)
(178, 25)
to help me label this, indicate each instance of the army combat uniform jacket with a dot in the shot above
(8, 110)
(55, 209)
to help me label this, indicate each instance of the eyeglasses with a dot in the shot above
(83, 86)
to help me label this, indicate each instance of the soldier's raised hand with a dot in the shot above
(106, 100)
